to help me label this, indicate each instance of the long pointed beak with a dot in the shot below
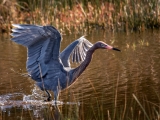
(112, 48)
(116, 49)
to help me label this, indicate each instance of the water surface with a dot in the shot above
(109, 82)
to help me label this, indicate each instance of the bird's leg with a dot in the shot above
(56, 96)
(56, 92)
(57, 113)
(49, 96)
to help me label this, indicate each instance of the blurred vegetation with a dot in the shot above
(112, 15)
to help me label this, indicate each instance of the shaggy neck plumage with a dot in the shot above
(78, 71)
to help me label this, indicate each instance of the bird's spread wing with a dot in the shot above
(76, 51)
(40, 41)
(27, 35)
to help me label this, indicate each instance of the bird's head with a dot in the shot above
(103, 45)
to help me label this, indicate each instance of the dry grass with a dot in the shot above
(126, 16)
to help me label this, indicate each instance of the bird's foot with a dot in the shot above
(48, 96)
(48, 99)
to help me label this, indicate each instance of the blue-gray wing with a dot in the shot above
(40, 41)
(76, 51)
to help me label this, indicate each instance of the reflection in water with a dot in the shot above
(104, 90)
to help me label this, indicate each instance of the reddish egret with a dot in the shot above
(45, 64)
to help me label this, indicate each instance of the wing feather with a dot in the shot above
(28, 37)
(38, 40)
(75, 52)
(73, 56)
